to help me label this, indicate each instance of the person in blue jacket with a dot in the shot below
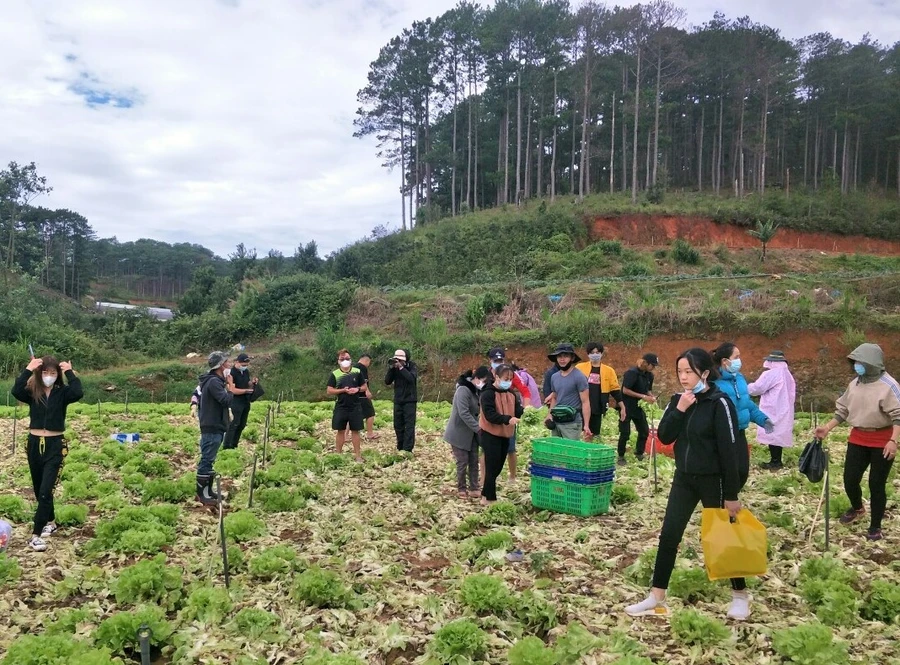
(731, 382)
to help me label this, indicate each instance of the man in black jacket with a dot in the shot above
(242, 388)
(403, 375)
(637, 386)
(215, 398)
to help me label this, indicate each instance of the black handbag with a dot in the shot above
(257, 392)
(814, 461)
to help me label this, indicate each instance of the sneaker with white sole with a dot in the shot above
(740, 606)
(49, 530)
(648, 607)
(37, 544)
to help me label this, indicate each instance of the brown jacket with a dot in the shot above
(497, 408)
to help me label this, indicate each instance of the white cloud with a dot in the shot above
(240, 128)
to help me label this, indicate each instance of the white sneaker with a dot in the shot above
(740, 606)
(648, 607)
(48, 530)
(37, 544)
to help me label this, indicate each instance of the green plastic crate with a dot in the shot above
(571, 498)
(573, 455)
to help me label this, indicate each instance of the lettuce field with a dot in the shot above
(381, 562)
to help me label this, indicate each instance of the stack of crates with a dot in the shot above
(571, 477)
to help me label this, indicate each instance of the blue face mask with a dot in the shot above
(859, 368)
(242, 369)
(735, 366)
(495, 365)
(505, 385)
(699, 388)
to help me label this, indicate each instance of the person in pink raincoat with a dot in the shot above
(777, 392)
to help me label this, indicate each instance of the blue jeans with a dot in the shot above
(209, 448)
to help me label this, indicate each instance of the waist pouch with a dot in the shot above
(563, 414)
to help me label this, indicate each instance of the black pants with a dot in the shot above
(46, 456)
(859, 458)
(687, 491)
(776, 452)
(405, 425)
(240, 410)
(596, 422)
(495, 449)
(639, 418)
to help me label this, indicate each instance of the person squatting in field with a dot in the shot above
(462, 431)
(500, 413)
(702, 422)
(777, 392)
(603, 387)
(348, 385)
(215, 399)
(403, 375)
(41, 387)
(871, 406)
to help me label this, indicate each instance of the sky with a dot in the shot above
(226, 121)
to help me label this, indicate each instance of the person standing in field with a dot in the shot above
(41, 387)
(403, 375)
(871, 406)
(637, 387)
(777, 392)
(241, 388)
(365, 400)
(570, 405)
(497, 357)
(534, 395)
(348, 385)
(603, 385)
(500, 413)
(702, 422)
(462, 431)
(215, 400)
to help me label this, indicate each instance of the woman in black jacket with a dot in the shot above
(702, 422)
(41, 386)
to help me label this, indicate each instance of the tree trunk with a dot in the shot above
(765, 138)
(427, 154)
(519, 138)
(500, 162)
(402, 173)
(469, 203)
(583, 163)
(741, 150)
(506, 150)
(721, 145)
(856, 161)
(647, 162)
(634, 153)
(816, 155)
(700, 150)
(806, 153)
(528, 151)
(475, 154)
(656, 113)
(553, 149)
(624, 130)
(572, 167)
(453, 162)
(612, 147)
(539, 175)
(845, 157)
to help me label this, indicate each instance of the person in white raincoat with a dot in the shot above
(777, 391)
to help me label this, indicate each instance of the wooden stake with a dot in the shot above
(252, 481)
(15, 423)
(222, 535)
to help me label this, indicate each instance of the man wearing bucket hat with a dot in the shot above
(403, 375)
(570, 405)
(215, 399)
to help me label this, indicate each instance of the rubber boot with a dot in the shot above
(204, 494)
(212, 487)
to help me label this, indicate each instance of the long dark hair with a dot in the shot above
(35, 385)
(700, 361)
(722, 352)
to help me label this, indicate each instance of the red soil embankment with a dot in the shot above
(817, 359)
(660, 229)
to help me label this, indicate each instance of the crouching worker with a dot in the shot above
(41, 386)
(215, 399)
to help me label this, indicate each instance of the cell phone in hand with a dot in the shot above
(31, 350)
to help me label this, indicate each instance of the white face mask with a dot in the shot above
(49, 379)
(346, 363)
(227, 372)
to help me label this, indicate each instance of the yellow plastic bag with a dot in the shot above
(732, 549)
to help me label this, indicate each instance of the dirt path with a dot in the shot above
(660, 229)
(817, 358)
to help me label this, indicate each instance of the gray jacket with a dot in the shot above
(462, 428)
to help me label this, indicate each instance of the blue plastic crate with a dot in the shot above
(566, 475)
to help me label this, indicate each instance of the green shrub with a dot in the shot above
(882, 602)
(321, 588)
(288, 353)
(531, 651)
(169, 491)
(279, 500)
(207, 605)
(136, 530)
(150, 581)
(835, 603)
(485, 594)
(501, 513)
(67, 622)
(235, 558)
(809, 644)
(69, 515)
(155, 466)
(460, 642)
(319, 656)
(535, 612)
(257, 624)
(574, 644)
(623, 494)
(243, 525)
(401, 488)
(610, 247)
(641, 571)
(826, 567)
(692, 627)
(472, 549)
(634, 269)
(231, 463)
(692, 585)
(9, 569)
(55, 650)
(14, 509)
(274, 562)
(683, 252)
(118, 633)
